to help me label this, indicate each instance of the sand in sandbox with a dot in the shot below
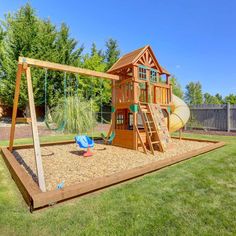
(66, 163)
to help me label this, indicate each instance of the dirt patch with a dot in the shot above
(23, 131)
(66, 163)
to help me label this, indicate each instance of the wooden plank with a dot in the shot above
(66, 68)
(108, 134)
(45, 199)
(37, 151)
(196, 139)
(24, 181)
(23, 120)
(228, 117)
(140, 139)
(15, 106)
(146, 128)
(123, 138)
(135, 100)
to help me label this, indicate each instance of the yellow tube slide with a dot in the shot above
(180, 114)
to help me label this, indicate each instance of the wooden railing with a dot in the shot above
(162, 94)
(124, 92)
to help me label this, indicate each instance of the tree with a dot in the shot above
(176, 87)
(231, 98)
(193, 94)
(27, 35)
(209, 99)
(220, 98)
(95, 88)
(95, 51)
(112, 53)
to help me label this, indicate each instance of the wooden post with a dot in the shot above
(135, 114)
(15, 106)
(228, 117)
(113, 116)
(37, 151)
(180, 134)
(148, 90)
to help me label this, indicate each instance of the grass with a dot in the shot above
(195, 197)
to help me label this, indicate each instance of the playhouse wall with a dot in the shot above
(124, 138)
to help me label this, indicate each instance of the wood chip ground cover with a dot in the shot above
(66, 163)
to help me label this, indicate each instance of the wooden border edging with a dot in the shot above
(36, 199)
(43, 199)
(25, 183)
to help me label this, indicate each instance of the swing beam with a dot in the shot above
(65, 68)
(24, 65)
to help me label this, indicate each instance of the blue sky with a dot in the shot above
(194, 39)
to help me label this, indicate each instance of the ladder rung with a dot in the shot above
(155, 142)
(151, 132)
(149, 121)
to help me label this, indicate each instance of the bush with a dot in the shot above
(73, 115)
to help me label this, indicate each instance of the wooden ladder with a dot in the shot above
(150, 127)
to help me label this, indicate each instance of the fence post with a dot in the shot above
(228, 117)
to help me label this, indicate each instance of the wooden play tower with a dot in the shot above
(141, 102)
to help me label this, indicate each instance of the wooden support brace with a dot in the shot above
(15, 106)
(35, 134)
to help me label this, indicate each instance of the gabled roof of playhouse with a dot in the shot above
(143, 56)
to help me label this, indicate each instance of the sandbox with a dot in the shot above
(108, 166)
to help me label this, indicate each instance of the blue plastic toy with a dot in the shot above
(84, 141)
(61, 185)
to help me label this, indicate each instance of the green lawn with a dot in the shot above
(195, 197)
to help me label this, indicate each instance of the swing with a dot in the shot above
(110, 139)
(47, 122)
(107, 140)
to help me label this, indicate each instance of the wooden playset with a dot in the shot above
(141, 98)
(143, 108)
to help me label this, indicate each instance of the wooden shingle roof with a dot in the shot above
(130, 59)
(127, 59)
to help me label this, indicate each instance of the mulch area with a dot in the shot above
(66, 162)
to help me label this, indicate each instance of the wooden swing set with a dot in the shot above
(24, 65)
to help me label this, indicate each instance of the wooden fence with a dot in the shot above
(213, 117)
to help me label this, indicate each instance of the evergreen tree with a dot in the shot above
(193, 94)
(112, 53)
(176, 87)
(27, 35)
(209, 99)
(231, 98)
(220, 98)
(95, 88)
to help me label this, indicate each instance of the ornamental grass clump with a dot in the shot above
(77, 115)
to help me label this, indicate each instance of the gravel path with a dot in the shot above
(66, 162)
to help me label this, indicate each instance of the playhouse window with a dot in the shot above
(131, 121)
(120, 119)
(153, 76)
(142, 71)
